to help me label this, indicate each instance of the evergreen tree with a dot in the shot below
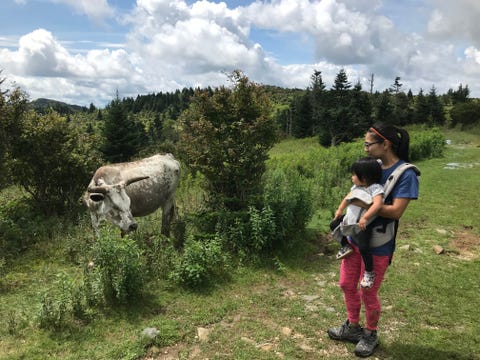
(302, 117)
(460, 95)
(335, 125)
(384, 111)
(360, 112)
(395, 88)
(123, 137)
(341, 84)
(436, 114)
(402, 109)
(421, 109)
(317, 100)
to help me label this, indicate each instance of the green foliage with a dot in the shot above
(465, 113)
(427, 144)
(326, 171)
(52, 161)
(22, 224)
(288, 199)
(13, 105)
(263, 228)
(203, 261)
(117, 271)
(57, 308)
(159, 253)
(123, 137)
(226, 136)
(342, 114)
(2, 266)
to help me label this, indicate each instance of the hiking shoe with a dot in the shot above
(368, 279)
(344, 252)
(345, 332)
(367, 344)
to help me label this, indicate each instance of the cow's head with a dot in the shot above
(114, 203)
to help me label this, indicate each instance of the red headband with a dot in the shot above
(378, 133)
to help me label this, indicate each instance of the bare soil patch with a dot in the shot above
(466, 244)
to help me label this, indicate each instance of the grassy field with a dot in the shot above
(282, 312)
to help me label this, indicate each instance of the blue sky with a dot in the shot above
(83, 51)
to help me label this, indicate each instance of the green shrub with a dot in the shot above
(56, 307)
(427, 144)
(226, 136)
(159, 253)
(117, 272)
(288, 197)
(263, 228)
(52, 160)
(203, 261)
(22, 224)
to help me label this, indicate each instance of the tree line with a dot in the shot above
(336, 114)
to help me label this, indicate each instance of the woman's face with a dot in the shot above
(373, 147)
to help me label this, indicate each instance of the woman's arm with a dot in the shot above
(395, 210)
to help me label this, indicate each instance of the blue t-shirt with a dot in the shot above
(406, 187)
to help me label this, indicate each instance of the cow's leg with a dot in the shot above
(168, 212)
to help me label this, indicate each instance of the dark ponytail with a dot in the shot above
(397, 136)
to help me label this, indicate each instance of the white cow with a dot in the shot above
(119, 192)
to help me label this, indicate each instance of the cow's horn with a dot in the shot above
(97, 189)
(135, 179)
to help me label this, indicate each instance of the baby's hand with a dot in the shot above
(362, 224)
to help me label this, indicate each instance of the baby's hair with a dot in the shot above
(367, 170)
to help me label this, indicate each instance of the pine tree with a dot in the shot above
(436, 114)
(122, 136)
(302, 117)
(360, 112)
(395, 88)
(336, 125)
(317, 100)
(385, 109)
(421, 109)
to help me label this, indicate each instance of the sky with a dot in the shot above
(83, 51)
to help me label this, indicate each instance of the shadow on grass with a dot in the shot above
(419, 352)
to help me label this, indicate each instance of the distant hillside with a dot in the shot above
(172, 102)
(42, 106)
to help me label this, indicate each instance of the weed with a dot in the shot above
(117, 271)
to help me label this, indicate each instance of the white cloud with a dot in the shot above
(455, 20)
(44, 67)
(195, 43)
(97, 10)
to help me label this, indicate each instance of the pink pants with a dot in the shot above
(351, 272)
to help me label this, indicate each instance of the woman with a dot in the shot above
(390, 145)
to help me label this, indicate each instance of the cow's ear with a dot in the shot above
(97, 197)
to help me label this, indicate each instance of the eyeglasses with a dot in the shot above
(368, 144)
